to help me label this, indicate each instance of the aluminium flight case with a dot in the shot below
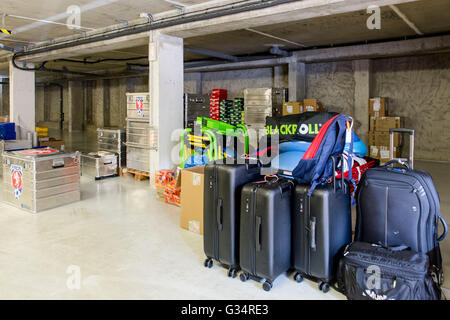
(99, 164)
(40, 179)
(321, 228)
(260, 103)
(223, 184)
(113, 140)
(265, 230)
(138, 105)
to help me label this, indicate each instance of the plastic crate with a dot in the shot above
(7, 131)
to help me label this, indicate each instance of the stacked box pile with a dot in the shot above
(238, 111)
(172, 193)
(42, 132)
(225, 109)
(214, 102)
(139, 133)
(163, 177)
(379, 126)
(167, 187)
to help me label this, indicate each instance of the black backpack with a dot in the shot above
(400, 206)
(372, 272)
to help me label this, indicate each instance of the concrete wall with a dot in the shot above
(236, 81)
(413, 84)
(100, 103)
(332, 84)
(419, 91)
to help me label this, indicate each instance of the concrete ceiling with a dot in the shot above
(429, 16)
(94, 14)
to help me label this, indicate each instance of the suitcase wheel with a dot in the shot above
(208, 263)
(298, 277)
(324, 287)
(267, 285)
(232, 273)
(244, 276)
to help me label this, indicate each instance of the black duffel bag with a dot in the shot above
(372, 272)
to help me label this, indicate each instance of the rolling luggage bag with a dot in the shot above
(223, 184)
(321, 228)
(265, 231)
(400, 206)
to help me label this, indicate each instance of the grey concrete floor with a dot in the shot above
(128, 245)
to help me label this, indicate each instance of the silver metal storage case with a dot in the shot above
(7, 145)
(138, 105)
(101, 164)
(260, 103)
(113, 140)
(40, 179)
(138, 144)
(138, 157)
(195, 105)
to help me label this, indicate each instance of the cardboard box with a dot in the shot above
(382, 153)
(292, 108)
(377, 138)
(378, 107)
(383, 124)
(53, 143)
(312, 105)
(191, 213)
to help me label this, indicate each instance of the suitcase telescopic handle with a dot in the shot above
(392, 131)
(258, 233)
(312, 233)
(219, 213)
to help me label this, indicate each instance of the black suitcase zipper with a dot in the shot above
(402, 186)
(307, 238)
(216, 201)
(253, 222)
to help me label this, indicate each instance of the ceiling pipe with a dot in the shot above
(3, 47)
(205, 15)
(278, 52)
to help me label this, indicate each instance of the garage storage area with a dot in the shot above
(225, 150)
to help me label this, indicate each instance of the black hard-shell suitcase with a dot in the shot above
(265, 231)
(322, 227)
(223, 184)
(400, 206)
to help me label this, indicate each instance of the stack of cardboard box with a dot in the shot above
(302, 106)
(379, 126)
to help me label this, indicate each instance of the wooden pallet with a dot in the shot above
(138, 175)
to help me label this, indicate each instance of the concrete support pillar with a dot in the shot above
(297, 81)
(166, 83)
(22, 100)
(363, 81)
(75, 96)
(197, 77)
(277, 79)
(98, 103)
(40, 104)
